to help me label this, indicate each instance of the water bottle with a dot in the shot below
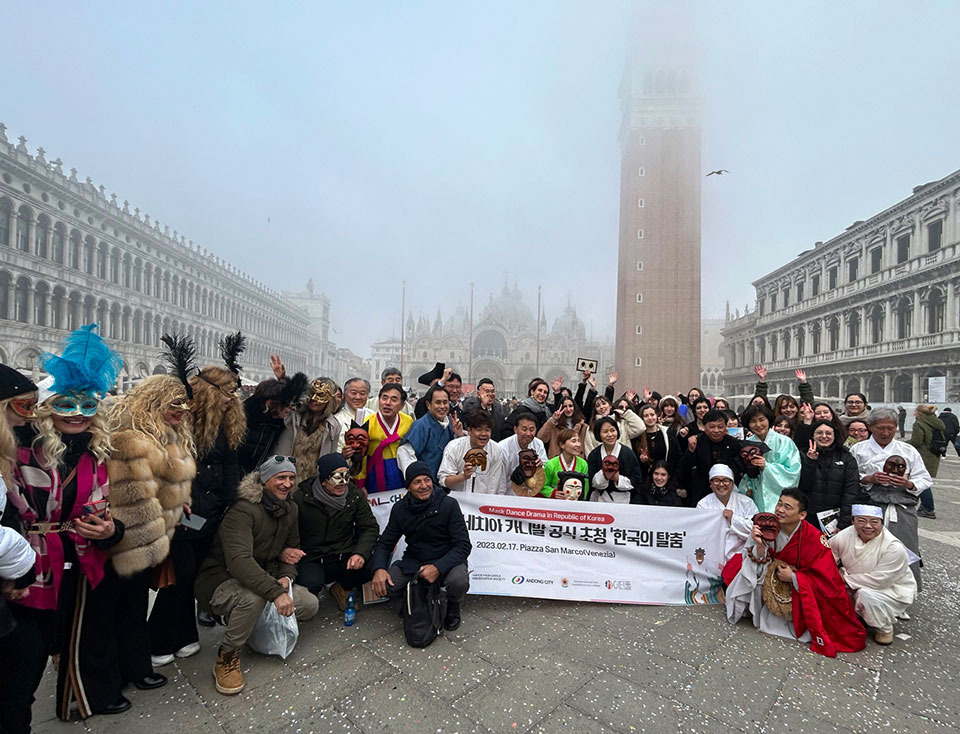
(349, 611)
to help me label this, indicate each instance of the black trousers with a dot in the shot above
(314, 573)
(23, 658)
(133, 635)
(173, 622)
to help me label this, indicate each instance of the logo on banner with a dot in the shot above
(564, 583)
(617, 584)
(518, 579)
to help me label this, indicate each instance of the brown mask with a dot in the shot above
(610, 466)
(769, 525)
(477, 458)
(357, 439)
(528, 462)
(895, 465)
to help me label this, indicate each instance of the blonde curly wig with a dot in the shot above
(8, 445)
(142, 410)
(49, 446)
(207, 416)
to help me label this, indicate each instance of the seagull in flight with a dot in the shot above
(719, 172)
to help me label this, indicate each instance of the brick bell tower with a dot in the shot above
(658, 288)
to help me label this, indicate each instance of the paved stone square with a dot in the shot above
(522, 665)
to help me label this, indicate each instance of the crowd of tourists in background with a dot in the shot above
(223, 504)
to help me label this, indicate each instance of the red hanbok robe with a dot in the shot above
(822, 604)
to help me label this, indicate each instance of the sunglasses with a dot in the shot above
(24, 407)
(67, 406)
(280, 459)
(178, 406)
(339, 477)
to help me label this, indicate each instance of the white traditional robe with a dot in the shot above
(871, 458)
(487, 481)
(745, 594)
(741, 525)
(510, 448)
(878, 573)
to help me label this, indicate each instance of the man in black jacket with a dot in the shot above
(438, 543)
(712, 446)
(486, 400)
(337, 531)
(953, 428)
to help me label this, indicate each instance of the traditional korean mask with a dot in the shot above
(610, 466)
(476, 458)
(769, 525)
(747, 453)
(74, 404)
(895, 465)
(321, 392)
(700, 554)
(357, 439)
(570, 488)
(528, 462)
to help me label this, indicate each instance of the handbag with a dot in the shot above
(777, 595)
(423, 610)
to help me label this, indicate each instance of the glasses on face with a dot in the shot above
(178, 406)
(24, 407)
(854, 402)
(74, 405)
(858, 431)
(721, 481)
(339, 477)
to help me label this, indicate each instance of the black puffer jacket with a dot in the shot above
(214, 488)
(830, 481)
(435, 532)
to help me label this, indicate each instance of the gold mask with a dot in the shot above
(320, 392)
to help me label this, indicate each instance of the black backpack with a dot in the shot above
(938, 443)
(424, 607)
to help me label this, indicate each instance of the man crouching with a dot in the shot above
(244, 571)
(437, 543)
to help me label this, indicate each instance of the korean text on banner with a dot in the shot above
(587, 551)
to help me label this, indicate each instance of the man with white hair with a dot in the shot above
(875, 567)
(738, 509)
(893, 474)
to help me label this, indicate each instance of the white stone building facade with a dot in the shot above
(70, 255)
(873, 310)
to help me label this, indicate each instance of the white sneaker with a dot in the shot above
(187, 650)
(158, 661)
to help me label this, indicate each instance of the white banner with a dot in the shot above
(591, 551)
(937, 389)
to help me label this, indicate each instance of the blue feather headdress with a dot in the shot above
(86, 364)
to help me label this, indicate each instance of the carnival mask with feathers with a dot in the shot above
(292, 390)
(86, 367)
(231, 347)
(179, 356)
(321, 392)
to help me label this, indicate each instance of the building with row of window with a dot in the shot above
(70, 255)
(874, 310)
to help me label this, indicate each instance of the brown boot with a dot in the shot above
(882, 637)
(227, 673)
(340, 594)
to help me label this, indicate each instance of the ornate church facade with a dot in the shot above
(504, 346)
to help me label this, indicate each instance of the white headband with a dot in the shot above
(867, 511)
(43, 389)
(721, 470)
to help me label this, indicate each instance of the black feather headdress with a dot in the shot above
(293, 389)
(231, 347)
(179, 356)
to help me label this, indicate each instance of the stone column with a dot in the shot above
(888, 320)
(915, 387)
(887, 388)
(950, 317)
(917, 328)
(30, 316)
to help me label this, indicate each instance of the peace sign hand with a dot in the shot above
(812, 451)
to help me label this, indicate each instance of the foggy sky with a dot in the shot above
(453, 143)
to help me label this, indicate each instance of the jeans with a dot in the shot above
(926, 499)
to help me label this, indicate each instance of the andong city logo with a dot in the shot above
(517, 579)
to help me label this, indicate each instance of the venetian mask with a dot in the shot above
(25, 407)
(571, 489)
(321, 392)
(528, 462)
(895, 465)
(769, 525)
(476, 458)
(357, 439)
(610, 466)
(74, 404)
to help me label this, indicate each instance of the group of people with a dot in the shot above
(223, 505)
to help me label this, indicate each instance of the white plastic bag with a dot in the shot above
(274, 634)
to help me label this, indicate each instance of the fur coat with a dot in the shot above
(148, 488)
(308, 447)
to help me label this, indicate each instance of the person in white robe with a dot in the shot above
(896, 492)
(524, 437)
(457, 476)
(876, 568)
(353, 409)
(738, 509)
